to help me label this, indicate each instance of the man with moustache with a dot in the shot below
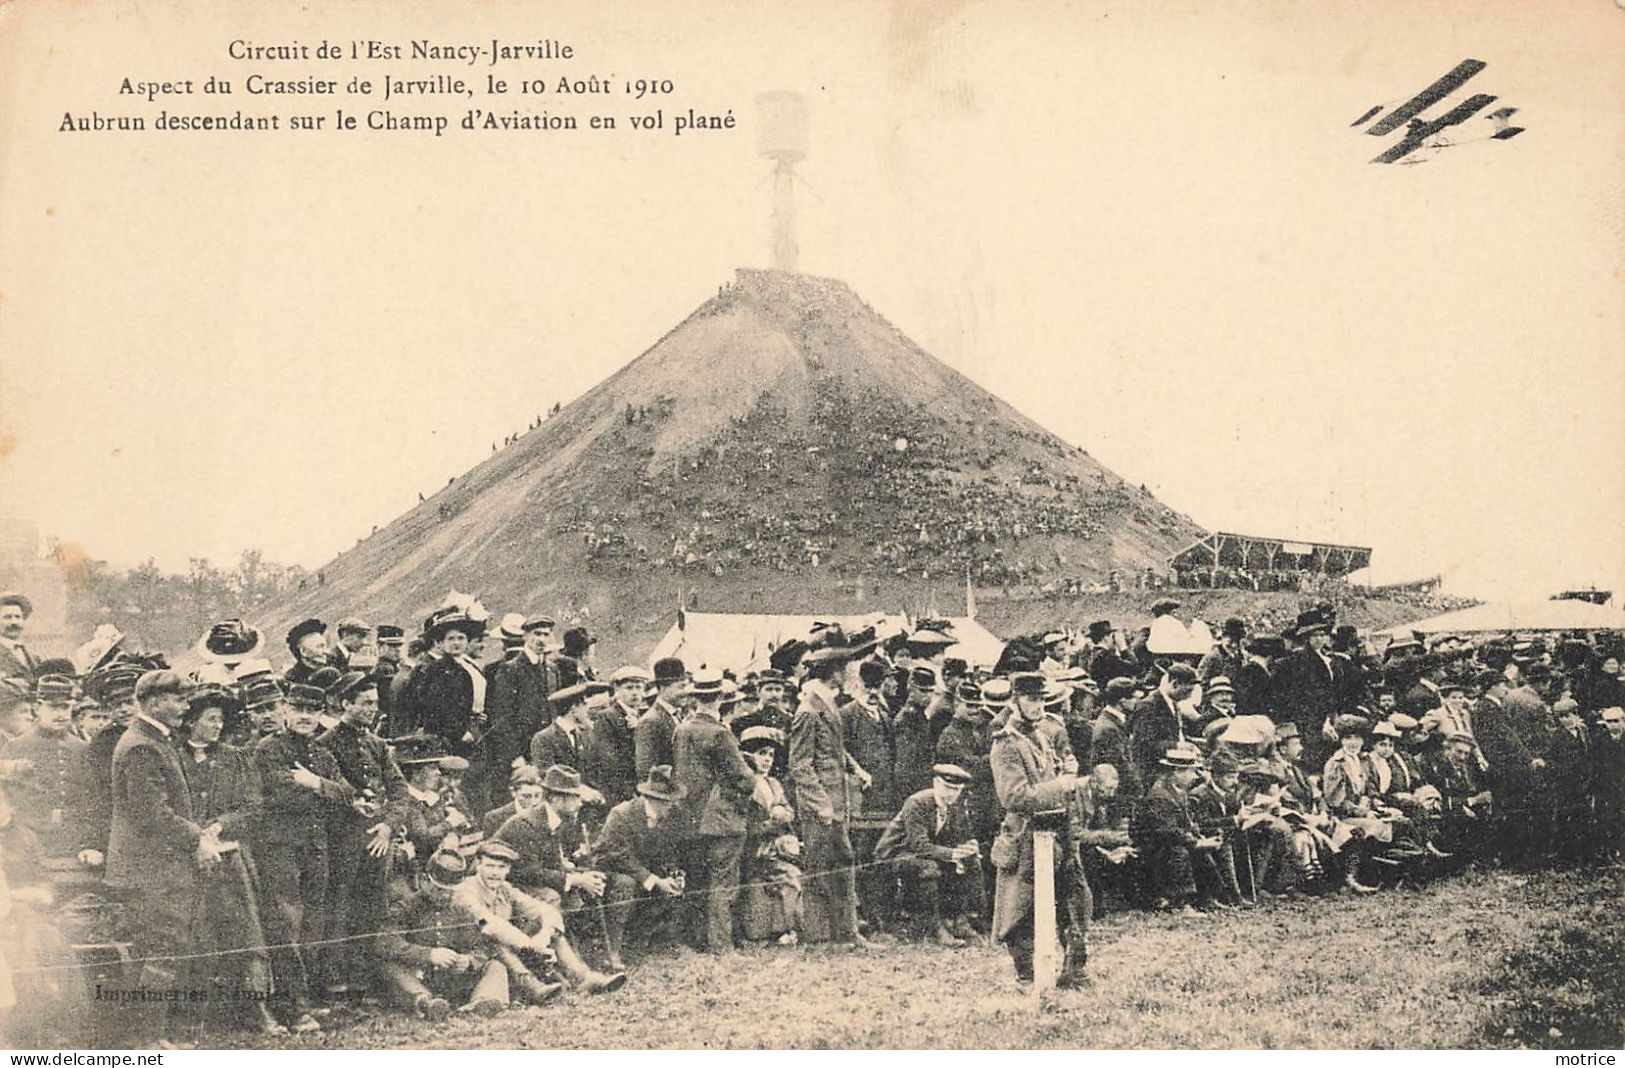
(115, 688)
(610, 762)
(155, 848)
(41, 769)
(518, 704)
(1026, 780)
(18, 666)
(360, 840)
(305, 794)
(307, 641)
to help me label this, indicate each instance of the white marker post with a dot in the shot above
(1046, 947)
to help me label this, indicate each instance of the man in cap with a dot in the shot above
(1028, 783)
(114, 687)
(18, 666)
(925, 712)
(965, 743)
(305, 795)
(1105, 659)
(524, 774)
(431, 820)
(1254, 682)
(352, 641)
(431, 951)
(611, 762)
(1467, 801)
(524, 931)
(638, 843)
(307, 641)
(360, 839)
(40, 769)
(391, 641)
(1167, 835)
(521, 687)
(930, 845)
(156, 850)
(718, 786)
(819, 775)
(652, 741)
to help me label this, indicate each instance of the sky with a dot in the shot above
(1150, 228)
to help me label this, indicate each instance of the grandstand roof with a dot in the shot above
(1250, 552)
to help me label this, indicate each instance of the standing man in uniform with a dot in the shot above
(1025, 776)
(42, 770)
(360, 841)
(305, 794)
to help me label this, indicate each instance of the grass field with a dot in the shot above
(1489, 960)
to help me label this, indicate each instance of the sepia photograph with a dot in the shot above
(846, 525)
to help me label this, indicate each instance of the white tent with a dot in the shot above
(1528, 615)
(743, 642)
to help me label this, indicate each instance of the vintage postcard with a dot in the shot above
(839, 525)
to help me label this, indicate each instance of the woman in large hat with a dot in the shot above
(770, 898)
(449, 688)
(227, 804)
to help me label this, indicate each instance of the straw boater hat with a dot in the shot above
(1181, 757)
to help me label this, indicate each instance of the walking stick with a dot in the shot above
(1252, 882)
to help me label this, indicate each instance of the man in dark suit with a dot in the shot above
(718, 786)
(18, 666)
(547, 835)
(931, 845)
(1167, 835)
(1109, 739)
(637, 843)
(1568, 755)
(517, 705)
(360, 840)
(40, 770)
(305, 792)
(653, 738)
(819, 769)
(565, 740)
(610, 762)
(156, 850)
(1307, 684)
(1162, 720)
(1226, 657)
(1515, 754)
